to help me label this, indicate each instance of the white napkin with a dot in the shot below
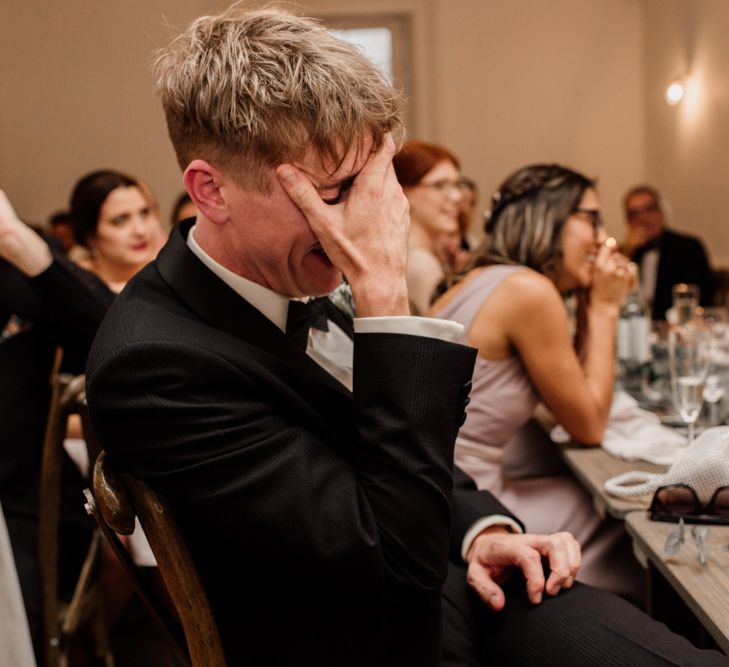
(77, 452)
(634, 434)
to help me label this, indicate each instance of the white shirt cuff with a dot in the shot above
(486, 522)
(429, 327)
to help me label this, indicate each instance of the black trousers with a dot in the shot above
(579, 627)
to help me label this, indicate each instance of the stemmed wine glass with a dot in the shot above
(716, 321)
(689, 357)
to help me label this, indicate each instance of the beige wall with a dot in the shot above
(501, 82)
(687, 157)
(526, 81)
(77, 95)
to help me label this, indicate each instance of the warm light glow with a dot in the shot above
(674, 93)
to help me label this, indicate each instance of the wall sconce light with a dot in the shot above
(674, 92)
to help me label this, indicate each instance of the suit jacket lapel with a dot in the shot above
(223, 308)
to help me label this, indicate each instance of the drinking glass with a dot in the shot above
(716, 320)
(689, 357)
(685, 302)
(714, 390)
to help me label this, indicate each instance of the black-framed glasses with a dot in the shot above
(679, 501)
(637, 211)
(447, 185)
(591, 215)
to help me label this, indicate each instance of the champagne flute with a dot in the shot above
(689, 356)
(716, 321)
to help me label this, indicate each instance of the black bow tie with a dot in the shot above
(303, 316)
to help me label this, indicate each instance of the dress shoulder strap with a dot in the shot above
(466, 304)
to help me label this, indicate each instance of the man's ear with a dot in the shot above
(203, 183)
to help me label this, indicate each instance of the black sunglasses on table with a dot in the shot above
(680, 501)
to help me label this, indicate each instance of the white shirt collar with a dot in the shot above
(274, 306)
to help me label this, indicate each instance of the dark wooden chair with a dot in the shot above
(181, 605)
(63, 621)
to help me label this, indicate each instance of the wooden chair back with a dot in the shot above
(115, 501)
(62, 621)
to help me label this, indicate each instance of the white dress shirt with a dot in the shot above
(648, 272)
(333, 350)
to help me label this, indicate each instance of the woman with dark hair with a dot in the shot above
(112, 217)
(545, 240)
(116, 217)
(431, 180)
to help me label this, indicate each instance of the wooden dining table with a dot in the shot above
(704, 589)
(593, 466)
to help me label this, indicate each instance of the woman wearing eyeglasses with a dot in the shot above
(431, 180)
(545, 240)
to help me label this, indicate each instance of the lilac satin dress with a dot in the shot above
(516, 464)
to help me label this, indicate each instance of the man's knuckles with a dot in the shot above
(526, 555)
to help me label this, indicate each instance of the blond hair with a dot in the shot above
(246, 90)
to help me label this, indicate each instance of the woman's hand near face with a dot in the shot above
(612, 278)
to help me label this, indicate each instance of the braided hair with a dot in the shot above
(527, 214)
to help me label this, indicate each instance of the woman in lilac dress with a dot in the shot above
(545, 240)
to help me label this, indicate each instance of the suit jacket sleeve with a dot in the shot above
(230, 442)
(73, 303)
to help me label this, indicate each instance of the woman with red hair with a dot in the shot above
(431, 179)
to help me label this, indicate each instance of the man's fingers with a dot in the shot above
(492, 553)
(530, 563)
(479, 578)
(575, 555)
(302, 193)
(379, 164)
(560, 563)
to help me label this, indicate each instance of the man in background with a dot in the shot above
(664, 257)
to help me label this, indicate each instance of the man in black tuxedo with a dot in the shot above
(308, 458)
(664, 257)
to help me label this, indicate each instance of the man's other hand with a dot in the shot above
(496, 552)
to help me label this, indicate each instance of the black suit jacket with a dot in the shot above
(319, 519)
(682, 260)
